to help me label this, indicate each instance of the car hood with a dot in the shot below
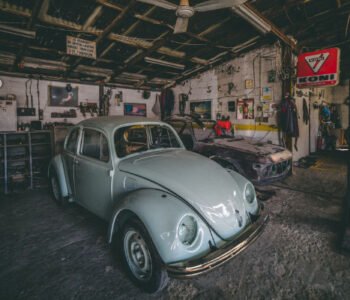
(202, 183)
(275, 153)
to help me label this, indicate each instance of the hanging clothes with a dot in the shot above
(167, 101)
(306, 116)
(335, 115)
(288, 119)
(156, 106)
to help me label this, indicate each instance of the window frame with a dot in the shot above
(169, 127)
(77, 140)
(100, 139)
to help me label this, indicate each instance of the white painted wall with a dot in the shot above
(16, 86)
(131, 96)
(214, 84)
(339, 95)
(303, 140)
(86, 93)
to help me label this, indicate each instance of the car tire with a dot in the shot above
(140, 258)
(55, 189)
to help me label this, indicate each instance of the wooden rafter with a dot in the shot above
(127, 32)
(32, 19)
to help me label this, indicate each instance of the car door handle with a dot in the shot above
(76, 162)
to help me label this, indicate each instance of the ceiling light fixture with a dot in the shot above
(17, 31)
(249, 15)
(164, 63)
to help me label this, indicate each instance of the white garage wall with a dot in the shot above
(339, 95)
(86, 93)
(16, 86)
(214, 84)
(131, 96)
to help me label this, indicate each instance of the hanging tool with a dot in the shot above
(31, 95)
(38, 93)
(27, 97)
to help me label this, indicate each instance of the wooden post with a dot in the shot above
(345, 230)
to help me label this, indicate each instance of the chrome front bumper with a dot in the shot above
(222, 255)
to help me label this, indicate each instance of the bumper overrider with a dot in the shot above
(222, 255)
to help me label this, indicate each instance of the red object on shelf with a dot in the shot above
(222, 127)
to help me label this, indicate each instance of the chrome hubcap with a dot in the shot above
(137, 255)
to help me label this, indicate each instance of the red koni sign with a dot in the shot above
(318, 68)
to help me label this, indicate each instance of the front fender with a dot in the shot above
(252, 208)
(161, 213)
(56, 165)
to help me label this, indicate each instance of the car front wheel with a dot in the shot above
(140, 258)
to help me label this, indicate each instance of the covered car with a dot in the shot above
(167, 213)
(260, 162)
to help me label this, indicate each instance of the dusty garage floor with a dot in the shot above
(50, 253)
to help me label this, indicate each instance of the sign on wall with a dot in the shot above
(135, 109)
(59, 96)
(267, 93)
(201, 109)
(318, 68)
(245, 109)
(80, 47)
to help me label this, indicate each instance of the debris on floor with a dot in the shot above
(306, 162)
(295, 258)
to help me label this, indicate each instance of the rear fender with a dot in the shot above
(161, 213)
(57, 165)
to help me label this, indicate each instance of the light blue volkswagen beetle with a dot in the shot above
(170, 211)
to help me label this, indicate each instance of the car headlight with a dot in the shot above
(187, 230)
(249, 193)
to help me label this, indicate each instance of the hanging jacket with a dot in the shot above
(306, 116)
(288, 119)
(167, 101)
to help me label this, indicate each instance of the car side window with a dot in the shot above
(184, 131)
(71, 145)
(163, 137)
(129, 140)
(95, 145)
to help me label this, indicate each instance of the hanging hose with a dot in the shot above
(38, 92)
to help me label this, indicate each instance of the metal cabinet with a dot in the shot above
(24, 158)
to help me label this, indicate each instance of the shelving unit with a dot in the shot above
(24, 158)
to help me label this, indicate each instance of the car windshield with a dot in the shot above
(140, 138)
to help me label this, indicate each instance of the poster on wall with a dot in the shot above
(318, 68)
(60, 96)
(245, 109)
(267, 93)
(135, 109)
(201, 109)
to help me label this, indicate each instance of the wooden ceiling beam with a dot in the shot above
(31, 22)
(114, 24)
(129, 41)
(91, 20)
(127, 32)
(162, 40)
(116, 21)
(145, 18)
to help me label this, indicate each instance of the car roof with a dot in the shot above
(110, 123)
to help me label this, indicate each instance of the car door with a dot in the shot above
(69, 154)
(93, 173)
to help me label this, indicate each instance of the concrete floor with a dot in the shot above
(50, 253)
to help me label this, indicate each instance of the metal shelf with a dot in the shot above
(28, 159)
